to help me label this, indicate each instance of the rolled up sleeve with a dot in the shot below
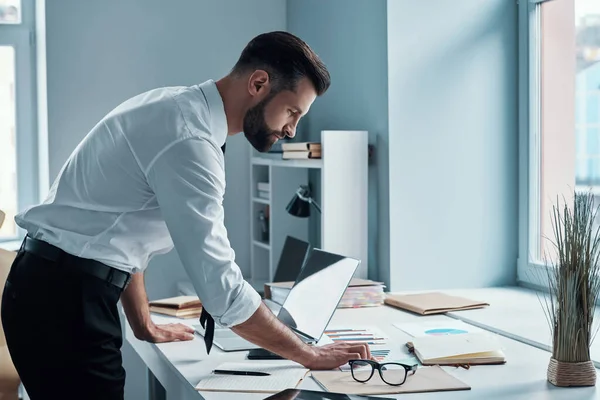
(188, 180)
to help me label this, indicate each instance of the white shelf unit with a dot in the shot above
(343, 201)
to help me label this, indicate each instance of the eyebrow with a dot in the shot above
(298, 110)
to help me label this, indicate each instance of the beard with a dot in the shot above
(256, 130)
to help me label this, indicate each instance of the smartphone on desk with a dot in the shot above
(301, 394)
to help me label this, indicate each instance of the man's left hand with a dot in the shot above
(169, 333)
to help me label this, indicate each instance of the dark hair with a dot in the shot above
(286, 58)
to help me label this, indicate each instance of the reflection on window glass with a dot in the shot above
(10, 11)
(587, 92)
(8, 154)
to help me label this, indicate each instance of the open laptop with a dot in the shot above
(310, 304)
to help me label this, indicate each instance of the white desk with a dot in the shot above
(179, 366)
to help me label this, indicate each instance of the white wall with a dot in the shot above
(453, 152)
(99, 53)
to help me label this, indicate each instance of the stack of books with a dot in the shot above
(360, 293)
(363, 293)
(180, 306)
(263, 190)
(301, 150)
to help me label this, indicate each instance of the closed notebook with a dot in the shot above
(426, 379)
(457, 349)
(281, 377)
(432, 303)
(179, 306)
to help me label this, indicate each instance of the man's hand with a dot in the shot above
(167, 333)
(135, 304)
(265, 330)
(334, 355)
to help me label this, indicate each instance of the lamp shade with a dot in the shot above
(298, 207)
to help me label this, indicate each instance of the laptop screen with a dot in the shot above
(317, 292)
(291, 260)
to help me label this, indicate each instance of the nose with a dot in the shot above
(290, 131)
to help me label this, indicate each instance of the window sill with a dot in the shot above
(516, 313)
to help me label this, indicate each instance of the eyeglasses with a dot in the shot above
(391, 373)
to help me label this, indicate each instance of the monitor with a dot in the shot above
(291, 259)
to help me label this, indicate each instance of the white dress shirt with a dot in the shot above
(148, 176)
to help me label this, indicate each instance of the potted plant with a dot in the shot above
(573, 283)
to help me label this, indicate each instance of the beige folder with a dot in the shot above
(426, 379)
(432, 303)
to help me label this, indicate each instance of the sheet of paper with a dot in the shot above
(426, 379)
(379, 343)
(437, 327)
(167, 319)
(431, 347)
(281, 377)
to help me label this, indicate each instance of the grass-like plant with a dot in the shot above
(573, 278)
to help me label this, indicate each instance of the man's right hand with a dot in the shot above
(337, 354)
(265, 330)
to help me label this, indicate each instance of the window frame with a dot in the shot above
(531, 271)
(22, 38)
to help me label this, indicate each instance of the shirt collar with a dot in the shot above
(216, 108)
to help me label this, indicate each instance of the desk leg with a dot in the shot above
(155, 390)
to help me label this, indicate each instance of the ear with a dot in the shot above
(259, 83)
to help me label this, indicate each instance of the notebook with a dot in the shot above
(475, 348)
(426, 379)
(432, 303)
(180, 306)
(282, 376)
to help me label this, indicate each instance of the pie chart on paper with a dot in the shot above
(445, 331)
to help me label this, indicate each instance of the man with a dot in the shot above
(150, 176)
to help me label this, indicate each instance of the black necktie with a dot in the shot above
(207, 321)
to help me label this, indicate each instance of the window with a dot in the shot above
(18, 139)
(560, 116)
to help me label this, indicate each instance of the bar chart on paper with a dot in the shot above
(381, 348)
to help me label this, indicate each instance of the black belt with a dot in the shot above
(92, 267)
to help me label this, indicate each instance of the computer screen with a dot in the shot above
(317, 292)
(291, 260)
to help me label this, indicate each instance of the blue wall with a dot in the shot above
(350, 37)
(453, 143)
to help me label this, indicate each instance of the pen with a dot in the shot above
(252, 373)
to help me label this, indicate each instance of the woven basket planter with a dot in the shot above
(571, 374)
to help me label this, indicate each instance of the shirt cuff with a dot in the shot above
(242, 308)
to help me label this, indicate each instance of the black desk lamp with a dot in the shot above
(299, 206)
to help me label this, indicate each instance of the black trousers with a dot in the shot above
(63, 331)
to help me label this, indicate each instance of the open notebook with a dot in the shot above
(282, 376)
(457, 349)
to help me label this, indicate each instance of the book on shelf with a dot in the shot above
(263, 186)
(179, 306)
(360, 293)
(301, 155)
(263, 194)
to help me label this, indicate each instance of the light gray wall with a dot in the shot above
(101, 53)
(452, 143)
(350, 37)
